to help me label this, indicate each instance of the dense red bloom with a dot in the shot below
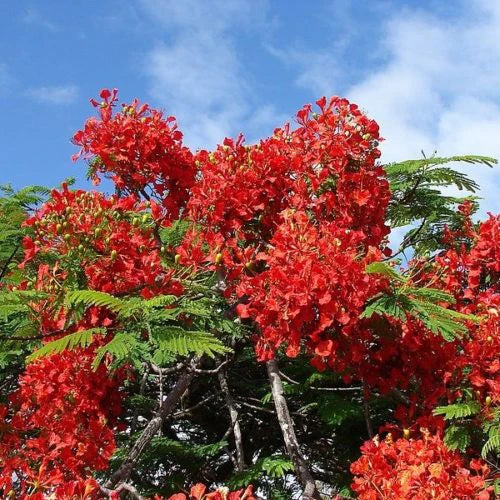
(59, 424)
(138, 148)
(101, 233)
(78, 490)
(199, 492)
(417, 469)
(291, 222)
(313, 284)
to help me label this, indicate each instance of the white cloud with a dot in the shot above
(438, 88)
(198, 75)
(6, 79)
(54, 95)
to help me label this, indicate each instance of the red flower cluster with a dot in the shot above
(105, 238)
(311, 286)
(138, 148)
(408, 356)
(296, 283)
(417, 469)
(199, 492)
(59, 424)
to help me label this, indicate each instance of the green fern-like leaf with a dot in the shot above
(386, 304)
(458, 410)
(121, 348)
(457, 438)
(385, 269)
(493, 442)
(180, 342)
(94, 298)
(174, 234)
(82, 338)
(274, 467)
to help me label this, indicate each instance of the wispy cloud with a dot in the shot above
(65, 94)
(438, 87)
(199, 75)
(6, 78)
(33, 16)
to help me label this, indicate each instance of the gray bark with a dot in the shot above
(123, 472)
(235, 423)
(288, 430)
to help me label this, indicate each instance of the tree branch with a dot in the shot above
(9, 260)
(235, 423)
(123, 472)
(326, 389)
(287, 428)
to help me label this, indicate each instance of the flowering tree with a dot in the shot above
(238, 317)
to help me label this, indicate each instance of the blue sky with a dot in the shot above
(427, 71)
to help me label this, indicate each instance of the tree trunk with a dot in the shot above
(233, 413)
(287, 428)
(167, 407)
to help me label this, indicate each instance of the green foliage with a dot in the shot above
(95, 298)
(334, 410)
(121, 348)
(421, 303)
(385, 269)
(172, 236)
(418, 199)
(492, 429)
(14, 208)
(82, 338)
(164, 319)
(458, 410)
(274, 467)
(457, 437)
(176, 340)
(493, 443)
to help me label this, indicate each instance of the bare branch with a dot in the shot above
(310, 491)
(123, 472)
(315, 388)
(181, 413)
(235, 424)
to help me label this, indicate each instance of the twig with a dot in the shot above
(9, 260)
(181, 413)
(253, 407)
(366, 412)
(167, 371)
(213, 371)
(33, 337)
(326, 389)
(121, 487)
